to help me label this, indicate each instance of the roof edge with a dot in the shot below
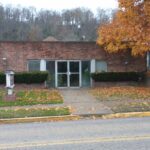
(47, 41)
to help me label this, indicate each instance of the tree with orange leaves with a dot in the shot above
(130, 28)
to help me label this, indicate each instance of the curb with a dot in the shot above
(126, 115)
(74, 117)
(39, 119)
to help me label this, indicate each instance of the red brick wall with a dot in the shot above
(17, 54)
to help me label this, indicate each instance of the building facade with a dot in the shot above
(69, 63)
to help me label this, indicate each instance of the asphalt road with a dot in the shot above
(112, 134)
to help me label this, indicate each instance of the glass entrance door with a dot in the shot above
(74, 73)
(68, 73)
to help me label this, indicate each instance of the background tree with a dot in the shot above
(129, 29)
(24, 24)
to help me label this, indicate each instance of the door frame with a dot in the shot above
(68, 73)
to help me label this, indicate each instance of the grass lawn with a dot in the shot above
(33, 112)
(124, 99)
(32, 97)
(132, 107)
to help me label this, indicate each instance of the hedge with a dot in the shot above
(118, 76)
(27, 77)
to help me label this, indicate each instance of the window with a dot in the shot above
(86, 80)
(34, 65)
(101, 66)
(50, 67)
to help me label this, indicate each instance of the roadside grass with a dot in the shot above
(32, 97)
(124, 99)
(123, 93)
(132, 107)
(34, 112)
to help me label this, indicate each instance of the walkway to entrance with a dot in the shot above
(83, 103)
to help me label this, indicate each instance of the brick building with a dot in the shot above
(70, 63)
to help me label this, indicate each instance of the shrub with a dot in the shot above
(27, 77)
(31, 77)
(118, 76)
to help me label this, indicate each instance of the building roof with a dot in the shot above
(50, 38)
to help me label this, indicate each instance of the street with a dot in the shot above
(112, 134)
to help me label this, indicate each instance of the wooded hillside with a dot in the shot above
(69, 25)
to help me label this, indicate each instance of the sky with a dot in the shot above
(63, 4)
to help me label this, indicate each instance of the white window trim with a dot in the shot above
(93, 65)
(42, 65)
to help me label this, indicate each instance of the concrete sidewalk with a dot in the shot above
(83, 103)
(80, 101)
